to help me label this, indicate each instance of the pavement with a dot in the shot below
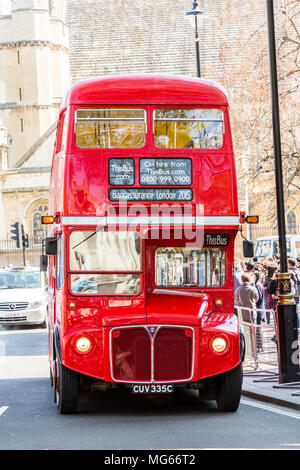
(260, 369)
(265, 386)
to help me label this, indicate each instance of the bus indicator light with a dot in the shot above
(252, 219)
(48, 219)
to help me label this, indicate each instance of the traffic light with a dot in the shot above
(25, 240)
(16, 233)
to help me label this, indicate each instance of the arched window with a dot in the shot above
(33, 224)
(39, 230)
(291, 222)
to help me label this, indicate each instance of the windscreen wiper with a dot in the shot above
(87, 238)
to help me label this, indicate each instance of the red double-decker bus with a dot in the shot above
(140, 250)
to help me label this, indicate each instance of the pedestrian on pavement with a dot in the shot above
(297, 288)
(260, 305)
(249, 269)
(273, 291)
(295, 281)
(237, 274)
(268, 293)
(246, 296)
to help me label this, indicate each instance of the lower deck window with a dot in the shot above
(110, 284)
(182, 267)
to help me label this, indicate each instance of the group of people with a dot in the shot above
(256, 285)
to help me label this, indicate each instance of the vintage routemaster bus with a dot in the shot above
(140, 246)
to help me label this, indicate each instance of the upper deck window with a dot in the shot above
(110, 128)
(188, 128)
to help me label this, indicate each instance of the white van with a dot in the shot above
(268, 247)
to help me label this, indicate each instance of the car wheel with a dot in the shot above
(66, 389)
(229, 388)
(44, 324)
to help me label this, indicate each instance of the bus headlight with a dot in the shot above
(83, 344)
(219, 344)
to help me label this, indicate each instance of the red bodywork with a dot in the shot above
(184, 320)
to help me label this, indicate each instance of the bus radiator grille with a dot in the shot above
(165, 356)
(131, 352)
(172, 354)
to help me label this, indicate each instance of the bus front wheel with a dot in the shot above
(229, 388)
(66, 389)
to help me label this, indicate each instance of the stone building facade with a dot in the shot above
(34, 75)
(46, 45)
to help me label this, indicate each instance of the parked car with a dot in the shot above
(23, 299)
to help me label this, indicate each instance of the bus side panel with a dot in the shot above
(226, 325)
(91, 364)
(86, 194)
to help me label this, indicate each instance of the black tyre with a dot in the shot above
(51, 377)
(229, 388)
(66, 389)
(43, 325)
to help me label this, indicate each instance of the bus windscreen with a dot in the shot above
(113, 251)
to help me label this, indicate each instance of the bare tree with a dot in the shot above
(250, 97)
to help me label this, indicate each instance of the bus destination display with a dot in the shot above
(150, 194)
(152, 172)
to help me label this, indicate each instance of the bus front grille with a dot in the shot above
(152, 354)
(131, 354)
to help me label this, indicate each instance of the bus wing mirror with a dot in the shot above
(51, 246)
(248, 249)
(43, 263)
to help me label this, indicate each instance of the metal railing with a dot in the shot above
(259, 328)
(261, 338)
(11, 255)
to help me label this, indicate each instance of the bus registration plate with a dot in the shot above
(152, 388)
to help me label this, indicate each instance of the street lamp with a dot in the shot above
(288, 349)
(192, 16)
